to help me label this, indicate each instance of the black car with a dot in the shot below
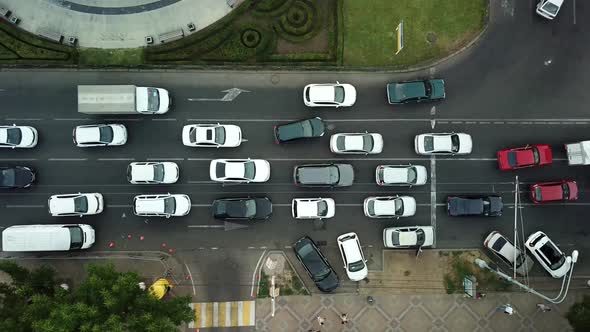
(16, 177)
(299, 130)
(248, 208)
(316, 264)
(324, 175)
(478, 205)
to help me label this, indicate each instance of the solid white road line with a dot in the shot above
(119, 205)
(433, 197)
(18, 159)
(425, 159)
(121, 120)
(67, 159)
(441, 120)
(116, 159)
(167, 119)
(164, 159)
(30, 119)
(24, 206)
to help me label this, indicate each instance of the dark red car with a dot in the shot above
(527, 156)
(565, 190)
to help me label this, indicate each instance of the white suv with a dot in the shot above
(75, 204)
(166, 205)
(548, 254)
(352, 255)
(153, 172)
(313, 208)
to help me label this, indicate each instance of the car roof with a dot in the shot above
(322, 93)
(150, 205)
(142, 172)
(395, 174)
(88, 134)
(413, 89)
(307, 208)
(351, 248)
(551, 191)
(314, 173)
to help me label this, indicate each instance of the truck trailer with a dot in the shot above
(122, 99)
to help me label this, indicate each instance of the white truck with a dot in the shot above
(122, 99)
(47, 237)
(578, 153)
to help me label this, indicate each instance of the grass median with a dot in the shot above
(432, 29)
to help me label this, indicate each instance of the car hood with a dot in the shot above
(183, 205)
(263, 208)
(346, 175)
(409, 206)
(349, 94)
(262, 170)
(233, 135)
(119, 134)
(23, 176)
(438, 89)
(465, 143)
(421, 175)
(29, 136)
(329, 283)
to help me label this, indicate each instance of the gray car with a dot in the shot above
(324, 175)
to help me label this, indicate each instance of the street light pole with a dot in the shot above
(558, 299)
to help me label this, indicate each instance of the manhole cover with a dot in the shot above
(431, 37)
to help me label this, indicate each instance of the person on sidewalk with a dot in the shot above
(479, 296)
(344, 318)
(507, 308)
(543, 307)
(321, 320)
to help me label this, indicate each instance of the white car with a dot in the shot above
(329, 95)
(443, 143)
(400, 175)
(166, 205)
(212, 135)
(389, 206)
(75, 204)
(356, 143)
(100, 135)
(549, 8)
(408, 237)
(313, 208)
(548, 254)
(355, 263)
(153, 172)
(239, 170)
(18, 137)
(507, 252)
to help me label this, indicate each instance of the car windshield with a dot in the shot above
(399, 206)
(220, 170)
(192, 135)
(499, 244)
(159, 172)
(412, 175)
(76, 237)
(368, 143)
(153, 100)
(356, 266)
(566, 191)
(428, 88)
(249, 170)
(306, 128)
(455, 143)
(7, 177)
(249, 208)
(340, 143)
(395, 238)
(428, 143)
(555, 257)
(81, 204)
(219, 135)
(314, 262)
(106, 134)
(420, 236)
(538, 195)
(334, 174)
(13, 136)
(169, 205)
(339, 94)
(322, 208)
(486, 206)
(512, 161)
(550, 8)
(536, 155)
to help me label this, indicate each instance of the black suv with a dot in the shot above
(316, 264)
(324, 175)
(299, 129)
(475, 205)
(257, 208)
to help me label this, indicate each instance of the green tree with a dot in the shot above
(579, 315)
(106, 300)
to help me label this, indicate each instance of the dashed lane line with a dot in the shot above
(433, 197)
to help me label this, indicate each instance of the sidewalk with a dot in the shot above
(116, 23)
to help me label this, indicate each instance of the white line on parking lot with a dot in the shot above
(24, 206)
(115, 159)
(67, 159)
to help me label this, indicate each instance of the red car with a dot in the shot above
(527, 156)
(554, 191)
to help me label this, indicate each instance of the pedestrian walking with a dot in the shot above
(507, 308)
(321, 320)
(543, 307)
(480, 296)
(344, 318)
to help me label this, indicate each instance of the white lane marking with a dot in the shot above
(30, 119)
(72, 119)
(24, 206)
(201, 182)
(482, 121)
(119, 120)
(67, 159)
(18, 159)
(433, 197)
(190, 275)
(165, 159)
(206, 226)
(200, 205)
(364, 159)
(168, 119)
(254, 283)
(116, 159)
(574, 11)
(119, 205)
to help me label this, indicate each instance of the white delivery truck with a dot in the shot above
(47, 237)
(122, 99)
(578, 153)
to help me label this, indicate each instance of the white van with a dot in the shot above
(47, 237)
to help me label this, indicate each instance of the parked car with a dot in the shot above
(356, 143)
(247, 208)
(18, 137)
(549, 8)
(153, 172)
(308, 128)
(323, 175)
(75, 204)
(389, 206)
(211, 135)
(316, 265)
(313, 208)
(475, 205)
(16, 177)
(164, 205)
(329, 95)
(526, 156)
(408, 237)
(565, 190)
(400, 175)
(443, 143)
(239, 170)
(548, 254)
(507, 252)
(416, 91)
(100, 135)
(355, 263)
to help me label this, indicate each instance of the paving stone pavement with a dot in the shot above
(116, 23)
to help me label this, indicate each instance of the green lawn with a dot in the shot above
(370, 36)
(110, 57)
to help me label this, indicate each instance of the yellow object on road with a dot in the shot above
(223, 314)
(160, 288)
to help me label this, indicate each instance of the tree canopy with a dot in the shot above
(579, 315)
(107, 300)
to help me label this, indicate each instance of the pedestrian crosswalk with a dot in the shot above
(223, 314)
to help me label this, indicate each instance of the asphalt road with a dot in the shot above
(525, 82)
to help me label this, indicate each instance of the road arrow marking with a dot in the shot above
(432, 123)
(230, 95)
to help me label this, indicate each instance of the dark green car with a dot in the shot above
(416, 91)
(301, 129)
